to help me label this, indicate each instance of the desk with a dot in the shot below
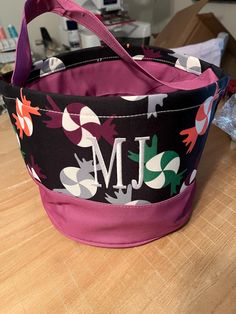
(190, 271)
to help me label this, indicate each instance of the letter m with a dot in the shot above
(116, 152)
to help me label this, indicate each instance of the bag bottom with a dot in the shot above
(116, 226)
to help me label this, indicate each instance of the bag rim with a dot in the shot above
(10, 91)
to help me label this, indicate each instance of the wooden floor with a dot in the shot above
(190, 271)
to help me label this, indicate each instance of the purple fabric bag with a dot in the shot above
(111, 135)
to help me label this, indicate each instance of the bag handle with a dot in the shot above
(73, 11)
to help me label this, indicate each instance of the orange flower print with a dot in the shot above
(23, 115)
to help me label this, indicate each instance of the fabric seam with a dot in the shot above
(98, 60)
(154, 113)
(176, 197)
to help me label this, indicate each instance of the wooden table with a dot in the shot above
(190, 271)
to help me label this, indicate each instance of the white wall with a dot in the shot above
(11, 12)
(157, 12)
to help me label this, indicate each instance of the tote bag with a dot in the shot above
(111, 135)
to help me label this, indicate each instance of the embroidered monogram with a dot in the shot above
(117, 153)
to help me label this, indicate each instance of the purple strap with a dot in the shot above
(73, 11)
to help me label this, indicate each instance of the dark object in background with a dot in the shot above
(73, 34)
(47, 40)
(49, 44)
(231, 89)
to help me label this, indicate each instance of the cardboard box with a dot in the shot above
(189, 27)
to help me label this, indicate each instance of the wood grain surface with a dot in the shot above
(190, 271)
